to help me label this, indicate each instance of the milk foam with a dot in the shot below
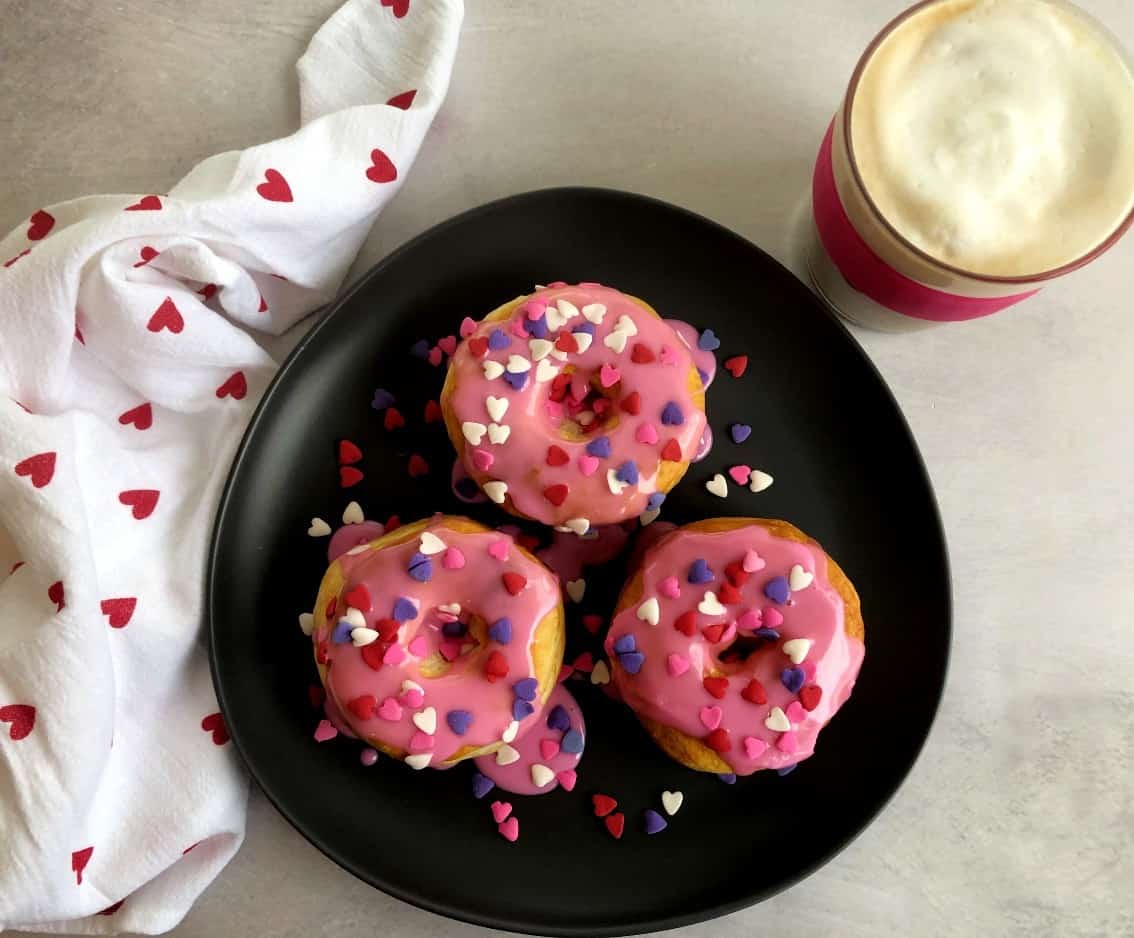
(998, 135)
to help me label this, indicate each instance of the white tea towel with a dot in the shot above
(126, 377)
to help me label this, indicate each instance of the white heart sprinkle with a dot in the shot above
(567, 309)
(594, 312)
(778, 721)
(555, 319)
(579, 525)
(759, 481)
(306, 622)
(352, 514)
(360, 637)
(473, 431)
(426, 720)
(407, 686)
(454, 609)
(583, 340)
(419, 760)
(497, 407)
(616, 341)
(498, 433)
(717, 485)
(319, 528)
(626, 324)
(576, 589)
(649, 611)
(354, 617)
(360, 549)
(517, 364)
(510, 731)
(600, 674)
(710, 605)
(545, 370)
(615, 484)
(431, 544)
(496, 491)
(797, 649)
(559, 354)
(541, 775)
(493, 370)
(649, 516)
(671, 801)
(799, 579)
(506, 755)
(540, 348)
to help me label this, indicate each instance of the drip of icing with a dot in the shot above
(705, 361)
(815, 612)
(517, 776)
(704, 444)
(350, 536)
(332, 712)
(568, 553)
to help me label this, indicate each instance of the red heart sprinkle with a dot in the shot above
(22, 718)
(641, 354)
(41, 223)
(387, 629)
(585, 663)
(166, 316)
(40, 469)
(372, 655)
(736, 365)
(448, 345)
(810, 695)
(142, 417)
(754, 693)
(348, 476)
(632, 403)
(214, 723)
(713, 633)
(717, 686)
(275, 187)
(556, 494)
(736, 574)
(615, 824)
(79, 861)
(393, 419)
(147, 203)
(478, 346)
(348, 452)
(557, 456)
(403, 100)
(382, 168)
(671, 451)
(329, 611)
(432, 412)
(363, 706)
(527, 541)
(321, 652)
(392, 523)
(686, 623)
(118, 611)
(141, 501)
(559, 386)
(592, 623)
(514, 583)
(234, 386)
(358, 597)
(496, 666)
(728, 594)
(417, 466)
(719, 740)
(603, 804)
(567, 343)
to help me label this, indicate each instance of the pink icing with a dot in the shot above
(479, 589)
(350, 536)
(681, 700)
(705, 361)
(517, 776)
(534, 418)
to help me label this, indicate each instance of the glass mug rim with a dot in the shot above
(848, 110)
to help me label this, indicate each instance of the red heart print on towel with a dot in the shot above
(118, 611)
(403, 100)
(55, 594)
(214, 723)
(383, 168)
(11, 260)
(79, 861)
(147, 254)
(399, 7)
(40, 468)
(142, 501)
(40, 225)
(234, 386)
(275, 187)
(148, 203)
(141, 417)
(166, 316)
(21, 718)
(111, 909)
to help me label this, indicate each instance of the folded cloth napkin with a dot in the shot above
(127, 373)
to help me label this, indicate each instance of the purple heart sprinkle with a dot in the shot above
(421, 568)
(699, 572)
(627, 472)
(382, 399)
(777, 589)
(671, 415)
(599, 446)
(739, 432)
(728, 778)
(459, 722)
(521, 709)
(498, 339)
(625, 643)
(420, 349)
(572, 742)
(526, 688)
(481, 785)
(517, 379)
(632, 662)
(453, 629)
(341, 634)
(654, 501)
(654, 822)
(708, 341)
(587, 327)
(770, 634)
(501, 631)
(792, 679)
(787, 769)
(558, 719)
(537, 327)
(404, 609)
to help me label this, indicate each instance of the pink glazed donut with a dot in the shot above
(574, 406)
(734, 642)
(436, 642)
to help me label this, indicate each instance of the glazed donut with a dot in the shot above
(574, 406)
(436, 641)
(734, 642)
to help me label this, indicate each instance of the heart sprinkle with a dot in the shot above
(653, 822)
(672, 801)
(717, 486)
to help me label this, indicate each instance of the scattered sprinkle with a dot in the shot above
(717, 486)
(653, 822)
(736, 365)
(318, 528)
(672, 801)
(481, 785)
(708, 341)
(759, 481)
(739, 432)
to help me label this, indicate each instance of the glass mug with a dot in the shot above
(976, 137)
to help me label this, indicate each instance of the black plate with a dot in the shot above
(847, 471)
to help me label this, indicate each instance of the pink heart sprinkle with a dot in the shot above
(787, 743)
(609, 375)
(588, 464)
(728, 634)
(565, 672)
(579, 386)
(448, 345)
(412, 698)
(549, 749)
(500, 811)
(711, 717)
(450, 649)
(567, 778)
(773, 617)
(753, 561)
(519, 329)
(794, 712)
(808, 671)
(324, 731)
(554, 409)
(420, 742)
(390, 710)
(453, 559)
(395, 654)
(676, 665)
(749, 619)
(468, 327)
(667, 355)
(646, 433)
(740, 475)
(535, 308)
(510, 830)
(670, 588)
(482, 459)
(499, 550)
(753, 747)
(434, 355)
(419, 647)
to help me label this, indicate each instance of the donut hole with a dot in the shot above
(436, 665)
(585, 407)
(735, 655)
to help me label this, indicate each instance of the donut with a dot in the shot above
(574, 406)
(438, 640)
(734, 642)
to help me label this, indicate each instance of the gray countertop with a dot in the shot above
(1018, 818)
